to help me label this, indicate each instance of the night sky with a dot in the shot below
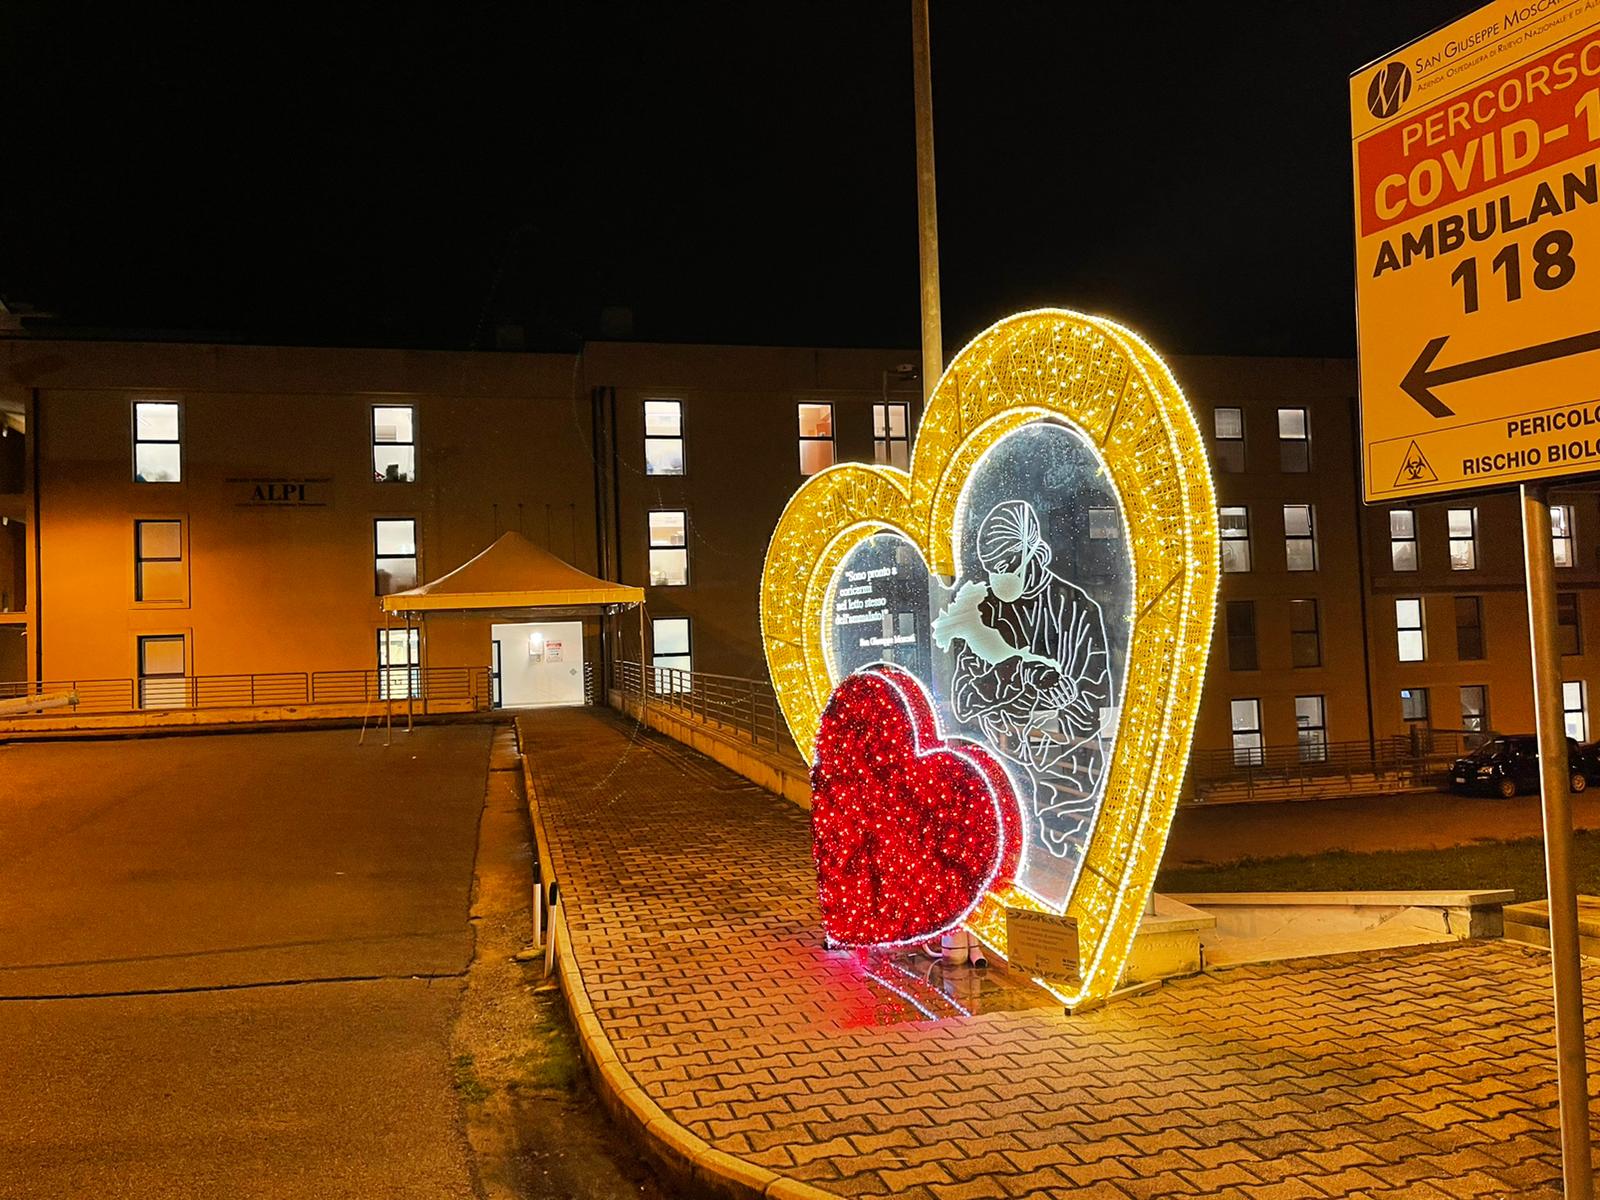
(426, 175)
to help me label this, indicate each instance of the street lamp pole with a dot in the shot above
(927, 202)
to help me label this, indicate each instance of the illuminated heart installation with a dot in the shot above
(1102, 382)
(909, 830)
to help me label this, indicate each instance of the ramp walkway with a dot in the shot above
(763, 1063)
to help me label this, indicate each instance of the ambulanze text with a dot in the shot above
(1551, 454)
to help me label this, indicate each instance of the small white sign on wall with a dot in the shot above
(552, 652)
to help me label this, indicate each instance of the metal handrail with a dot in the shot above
(1421, 759)
(266, 689)
(748, 707)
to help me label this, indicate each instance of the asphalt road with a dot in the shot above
(229, 965)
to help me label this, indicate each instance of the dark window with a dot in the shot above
(1475, 708)
(1569, 625)
(1414, 704)
(1242, 635)
(1469, 628)
(1305, 634)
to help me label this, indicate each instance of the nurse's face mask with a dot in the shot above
(1007, 577)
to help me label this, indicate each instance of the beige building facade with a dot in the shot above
(179, 510)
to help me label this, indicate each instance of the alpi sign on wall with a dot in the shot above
(1478, 251)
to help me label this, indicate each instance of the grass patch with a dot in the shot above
(550, 1063)
(554, 1063)
(1518, 865)
(468, 1085)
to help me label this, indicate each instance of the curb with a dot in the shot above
(687, 1159)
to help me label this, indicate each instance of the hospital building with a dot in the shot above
(191, 528)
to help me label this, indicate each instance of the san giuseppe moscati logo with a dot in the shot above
(1389, 89)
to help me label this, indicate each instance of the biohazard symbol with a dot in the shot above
(1414, 468)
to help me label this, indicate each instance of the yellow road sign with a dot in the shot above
(1477, 199)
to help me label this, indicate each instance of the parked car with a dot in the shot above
(1509, 763)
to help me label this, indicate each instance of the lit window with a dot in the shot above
(663, 437)
(1228, 424)
(1469, 628)
(1247, 742)
(1234, 526)
(1475, 708)
(1575, 709)
(816, 437)
(1403, 539)
(161, 672)
(1408, 628)
(1103, 524)
(158, 576)
(1413, 704)
(394, 443)
(395, 554)
(399, 664)
(1561, 525)
(1310, 721)
(1241, 619)
(1305, 634)
(1300, 537)
(157, 442)
(1294, 440)
(1569, 626)
(1463, 539)
(891, 434)
(672, 658)
(669, 548)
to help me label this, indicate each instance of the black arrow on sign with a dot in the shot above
(1422, 378)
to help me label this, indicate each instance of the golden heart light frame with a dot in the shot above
(1105, 382)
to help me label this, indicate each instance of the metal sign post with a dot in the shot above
(1554, 782)
(1476, 164)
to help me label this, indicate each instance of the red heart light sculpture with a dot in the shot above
(908, 829)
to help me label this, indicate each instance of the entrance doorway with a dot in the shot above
(540, 663)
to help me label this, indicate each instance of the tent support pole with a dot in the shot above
(413, 671)
(383, 684)
(644, 688)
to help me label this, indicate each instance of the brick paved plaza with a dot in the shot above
(688, 894)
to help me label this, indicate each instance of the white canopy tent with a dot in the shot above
(512, 578)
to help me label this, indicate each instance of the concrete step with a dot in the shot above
(1530, 923)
